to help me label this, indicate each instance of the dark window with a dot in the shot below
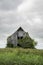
(18, 45)
(20, 37)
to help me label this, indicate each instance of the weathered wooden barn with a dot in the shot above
(19, 34)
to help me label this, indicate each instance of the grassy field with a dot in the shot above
(19, 56)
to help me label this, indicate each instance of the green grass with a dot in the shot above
(19, 56)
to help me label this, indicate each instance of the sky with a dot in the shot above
(25, 13)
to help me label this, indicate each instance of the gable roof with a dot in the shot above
(20, 28)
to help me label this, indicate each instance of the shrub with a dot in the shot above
(10, 45)
(26, 42)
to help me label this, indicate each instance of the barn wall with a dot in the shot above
(13, 38)
(20, 33)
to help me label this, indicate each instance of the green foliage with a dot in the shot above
(10, 45)
(26, 42)
(19, 56)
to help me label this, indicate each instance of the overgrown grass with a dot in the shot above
(19, 56)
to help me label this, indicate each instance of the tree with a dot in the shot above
(26, 42)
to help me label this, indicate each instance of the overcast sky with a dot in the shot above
(25, 13)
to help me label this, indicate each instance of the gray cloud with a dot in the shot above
(9, 4)
(25, 13)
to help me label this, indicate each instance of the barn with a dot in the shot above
(19, 34)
